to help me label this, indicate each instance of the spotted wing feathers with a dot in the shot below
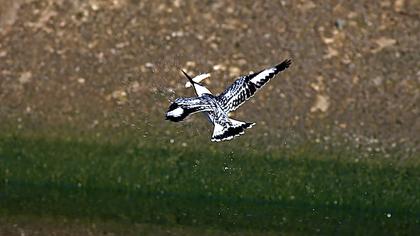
(246, 86)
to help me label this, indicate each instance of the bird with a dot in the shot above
(218, 107)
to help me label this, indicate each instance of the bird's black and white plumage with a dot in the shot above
(217, 108)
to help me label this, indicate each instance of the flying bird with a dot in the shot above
(217, 108)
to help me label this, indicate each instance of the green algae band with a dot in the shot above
(294, 191)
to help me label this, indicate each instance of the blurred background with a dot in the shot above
(105, 71)
(109, 67)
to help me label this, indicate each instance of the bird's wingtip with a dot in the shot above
(284, 64)
(287, 62)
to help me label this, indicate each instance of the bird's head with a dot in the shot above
(179, 109)
(175, 112)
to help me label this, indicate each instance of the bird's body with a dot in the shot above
(217, 108)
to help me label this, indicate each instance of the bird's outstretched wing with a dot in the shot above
(246, 86)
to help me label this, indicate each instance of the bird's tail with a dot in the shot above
(229, 130)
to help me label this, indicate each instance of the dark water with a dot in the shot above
(227, 214)
(296, 192)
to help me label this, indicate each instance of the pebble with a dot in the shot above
(219, 67)
(234, 71)
(340, 23)
(81, 80)
(322, 103)
(25, 77)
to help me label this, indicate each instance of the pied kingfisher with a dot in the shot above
(217, 108)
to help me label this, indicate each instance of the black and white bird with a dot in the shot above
(217, 108)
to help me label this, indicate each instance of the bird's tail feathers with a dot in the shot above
(229, 130)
